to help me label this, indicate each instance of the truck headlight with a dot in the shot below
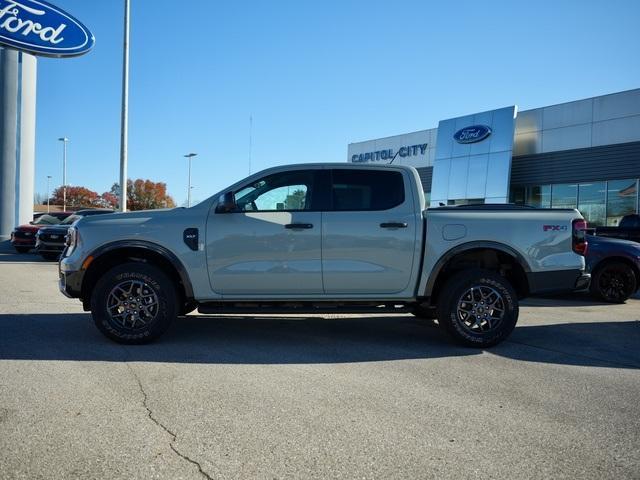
(71, 240)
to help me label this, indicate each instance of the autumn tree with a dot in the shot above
(143, 195)
(77, 197)
(108, 200)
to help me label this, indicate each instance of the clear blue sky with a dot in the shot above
(314, 76)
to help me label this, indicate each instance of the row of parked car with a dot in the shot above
(46, 233)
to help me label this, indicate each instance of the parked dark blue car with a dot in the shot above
(615, 268)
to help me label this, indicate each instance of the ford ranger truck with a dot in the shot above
(322, 238)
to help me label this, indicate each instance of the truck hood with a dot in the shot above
(55, 229)
(131, 218)
(29, 228)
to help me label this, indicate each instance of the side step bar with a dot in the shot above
(213, 308)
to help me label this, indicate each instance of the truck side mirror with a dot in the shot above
(227, 203)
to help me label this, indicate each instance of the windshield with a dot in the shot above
(47, 220)
(71, 219)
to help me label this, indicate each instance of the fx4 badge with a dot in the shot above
(554, 228)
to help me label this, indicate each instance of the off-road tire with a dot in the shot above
(147, 282)
(613, 282)
(453, 304)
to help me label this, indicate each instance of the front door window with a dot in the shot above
(281, 192)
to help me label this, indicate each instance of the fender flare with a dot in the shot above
(474, 245)
(152, 247)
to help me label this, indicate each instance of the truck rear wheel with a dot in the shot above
(478, 308)
(134, 303)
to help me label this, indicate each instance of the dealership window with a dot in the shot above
(599, 202)
(517, 195)
(564, 195)
(592, 202)
(539, 196)
(621, 199)
(536, 196)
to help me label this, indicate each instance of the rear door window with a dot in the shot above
(366, 190)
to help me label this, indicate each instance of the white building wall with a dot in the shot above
(592, 122)
(422, 158)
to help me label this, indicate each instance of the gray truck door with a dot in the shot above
(271, 245)
(368, 232)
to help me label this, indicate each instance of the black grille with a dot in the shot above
(52, 237)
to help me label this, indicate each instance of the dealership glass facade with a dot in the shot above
(582, 154)
(601, 203)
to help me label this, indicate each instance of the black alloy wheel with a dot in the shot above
(134, 303)
(478, 308)
(613, 282)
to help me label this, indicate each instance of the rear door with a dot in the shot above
(368, 232)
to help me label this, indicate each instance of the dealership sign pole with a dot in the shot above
(124, 126)
(28, 28)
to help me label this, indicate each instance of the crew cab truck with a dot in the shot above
(318, 238)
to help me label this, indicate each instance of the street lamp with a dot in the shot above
(48, 206)
(189, 156)
(64, 141)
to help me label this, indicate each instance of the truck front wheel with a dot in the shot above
(478, 308)
(134, 303)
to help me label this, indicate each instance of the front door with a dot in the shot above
(271, 244)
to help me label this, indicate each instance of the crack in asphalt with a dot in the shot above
(173, 435)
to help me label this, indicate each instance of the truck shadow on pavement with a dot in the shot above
(309, 340)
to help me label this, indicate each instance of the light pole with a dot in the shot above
(124, 121)
(64, 141)
(189, 156)
(48, 206)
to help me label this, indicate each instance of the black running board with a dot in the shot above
(213, 308)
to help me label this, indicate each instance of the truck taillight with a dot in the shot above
(579, 236)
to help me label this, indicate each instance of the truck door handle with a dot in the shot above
(298, 226)
(394, 225)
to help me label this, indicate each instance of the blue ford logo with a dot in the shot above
(40, 28)
(473, 134)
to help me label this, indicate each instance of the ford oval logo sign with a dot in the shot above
(473, 134)
(40, 28)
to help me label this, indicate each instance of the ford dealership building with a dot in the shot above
(583, 154)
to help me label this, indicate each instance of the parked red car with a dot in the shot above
(23, 238)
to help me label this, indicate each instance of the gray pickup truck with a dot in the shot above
(322, 238)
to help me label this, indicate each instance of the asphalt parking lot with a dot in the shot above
(314, 397)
